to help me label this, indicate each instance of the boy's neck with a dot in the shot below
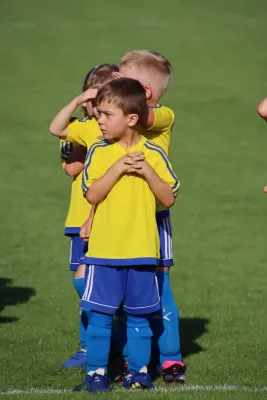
(152, 102)
(130, 139)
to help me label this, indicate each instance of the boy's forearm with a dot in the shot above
(75, 162)
(102, 186)
(74, 168)
(160, 188)
(149, 121)
(59, 125)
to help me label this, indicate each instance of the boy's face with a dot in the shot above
(112, 122)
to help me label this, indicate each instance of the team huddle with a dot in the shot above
(119, 221)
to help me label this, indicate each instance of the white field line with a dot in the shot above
(220, 388)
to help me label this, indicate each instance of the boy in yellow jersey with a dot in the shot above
(72, 157)
(154, 72)
(123, 175)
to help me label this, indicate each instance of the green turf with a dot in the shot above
(218, 51)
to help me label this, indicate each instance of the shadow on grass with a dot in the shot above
(192, 329)
(11, 296)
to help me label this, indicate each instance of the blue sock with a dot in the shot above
(165, 323)
(79, 286)
(138, 342)
(98, 340)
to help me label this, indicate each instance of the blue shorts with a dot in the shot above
(78, 249)
(165, 235)
(107, 287)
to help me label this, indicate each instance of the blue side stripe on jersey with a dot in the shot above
(157, 146)
(88, 160)
(176, 186)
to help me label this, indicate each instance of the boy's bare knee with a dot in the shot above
(80, 271)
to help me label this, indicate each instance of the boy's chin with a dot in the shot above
(107, 136)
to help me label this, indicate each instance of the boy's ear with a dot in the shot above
(133, 119)
(148, 90)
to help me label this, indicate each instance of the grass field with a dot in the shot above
(218, 51)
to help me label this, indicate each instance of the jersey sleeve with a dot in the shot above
(164, 169)
(76, 132)
(90, 172)
(164, 119)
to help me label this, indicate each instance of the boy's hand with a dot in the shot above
(86, 96)
(124, 163)
(85, 231)
(141, 168)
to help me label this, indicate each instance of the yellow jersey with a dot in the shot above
(83, 131)
(124, 230)
(79, 208)
(160, 131)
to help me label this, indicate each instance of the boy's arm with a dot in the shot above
(95, 189)
(75, 161)
(262, 109)
(161, 189)
(162, 180)
(59, 125)
(159, 118)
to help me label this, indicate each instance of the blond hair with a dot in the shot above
(154, 64)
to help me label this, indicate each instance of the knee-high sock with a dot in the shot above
(138, 342)
(165, 323)
(79, 286)
(98, 340)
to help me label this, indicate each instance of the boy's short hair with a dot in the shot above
(99, 76)
(128, 94)
(151, 61)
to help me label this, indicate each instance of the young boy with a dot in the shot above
(153, 71)
(72, 157)
(123, 175)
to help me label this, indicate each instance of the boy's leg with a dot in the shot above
(77, 251)
(79, 284)
(165, 324)
(104, 288)
(141, 298)
(98, 341)
(139, 337)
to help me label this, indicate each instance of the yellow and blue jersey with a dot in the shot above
(79, 207)
(124, 230)
(83, 131)
(160, 133)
